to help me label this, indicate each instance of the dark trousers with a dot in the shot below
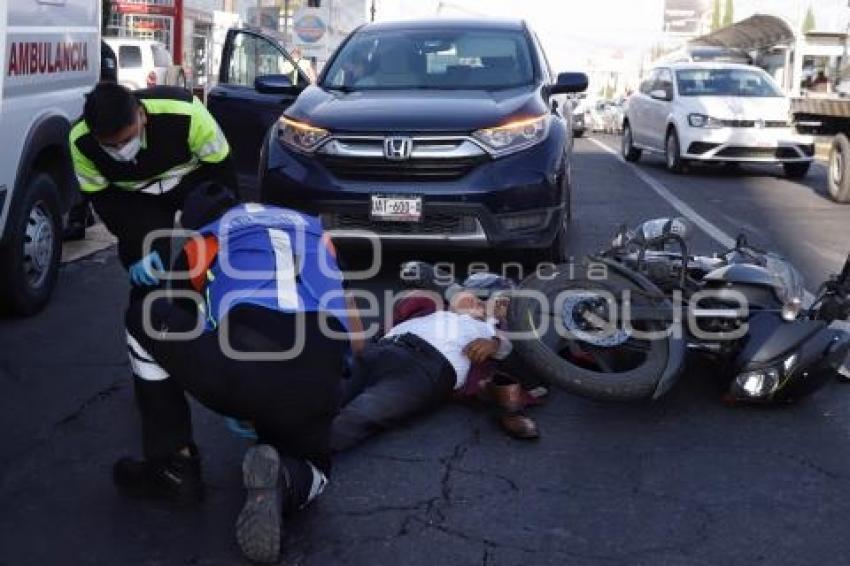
(391, 381)
(291, 403)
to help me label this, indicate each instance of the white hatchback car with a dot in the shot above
(145, 63)
(720, 112)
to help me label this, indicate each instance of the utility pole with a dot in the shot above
(372, 10)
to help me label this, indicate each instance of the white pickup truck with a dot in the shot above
(50, 58)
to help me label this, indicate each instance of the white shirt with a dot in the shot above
(450, 333)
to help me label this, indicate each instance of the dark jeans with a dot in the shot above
(391, 381)
(291, 403)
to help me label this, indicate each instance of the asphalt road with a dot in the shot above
(683, 481)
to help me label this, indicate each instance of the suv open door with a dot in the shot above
(243, 108)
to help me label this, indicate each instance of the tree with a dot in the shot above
(809, 22)
(728, 14)
(715, 16)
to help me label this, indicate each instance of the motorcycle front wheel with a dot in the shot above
(580, 327)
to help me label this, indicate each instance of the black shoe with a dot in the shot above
(176, 479)
(258, 527)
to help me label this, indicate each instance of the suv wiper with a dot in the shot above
(341, 88)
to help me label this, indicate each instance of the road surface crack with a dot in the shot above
(95, 399)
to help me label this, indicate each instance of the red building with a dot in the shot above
(161, 20)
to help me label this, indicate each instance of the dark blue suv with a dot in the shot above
(428, 133)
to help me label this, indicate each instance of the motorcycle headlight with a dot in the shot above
(299, 135)
(757, 384)
(514, 136)
(762, 383)
(703, 121)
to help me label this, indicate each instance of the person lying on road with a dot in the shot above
(504, 386)
(266, 280)
(417, 365)
(496, 383)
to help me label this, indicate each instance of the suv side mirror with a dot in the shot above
(275, 84)
(661, 94)
(569, 82)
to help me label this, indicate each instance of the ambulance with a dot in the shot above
(49, 59)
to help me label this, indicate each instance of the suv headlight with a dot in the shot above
(703, 121)
(299, 135)
(514, 136)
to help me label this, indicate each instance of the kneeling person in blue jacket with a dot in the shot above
(267, 283)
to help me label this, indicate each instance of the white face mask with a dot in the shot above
(128, 152)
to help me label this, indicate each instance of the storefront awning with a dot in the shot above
(759, 31)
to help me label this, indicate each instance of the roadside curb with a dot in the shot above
(97, 239)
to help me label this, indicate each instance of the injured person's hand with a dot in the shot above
(481, 349)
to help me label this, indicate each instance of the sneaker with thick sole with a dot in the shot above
(176, 479)
(258, 527)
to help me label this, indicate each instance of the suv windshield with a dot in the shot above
(724, 82)
(477, 60)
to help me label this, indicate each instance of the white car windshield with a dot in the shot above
(433, 59)
(724, 82)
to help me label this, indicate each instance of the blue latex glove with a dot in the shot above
(142, 272)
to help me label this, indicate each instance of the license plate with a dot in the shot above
(396, 209)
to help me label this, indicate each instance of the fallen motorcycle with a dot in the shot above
(621, 324)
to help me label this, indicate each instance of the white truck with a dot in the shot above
(50, 58)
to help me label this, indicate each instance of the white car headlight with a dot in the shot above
(703, 121)
(514, 136)
(299, 135)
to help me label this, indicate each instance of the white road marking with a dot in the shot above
(682, 207)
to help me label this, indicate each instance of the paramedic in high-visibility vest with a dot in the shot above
(272, 334)
(136, 156)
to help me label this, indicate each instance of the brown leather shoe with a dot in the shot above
(508, 397)
(519, 426)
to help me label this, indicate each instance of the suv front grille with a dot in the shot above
(431, 224)
(380, 169)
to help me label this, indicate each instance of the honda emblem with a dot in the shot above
(397, 148)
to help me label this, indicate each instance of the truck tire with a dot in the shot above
(838, 176)
(29, 260)
(544, 354)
